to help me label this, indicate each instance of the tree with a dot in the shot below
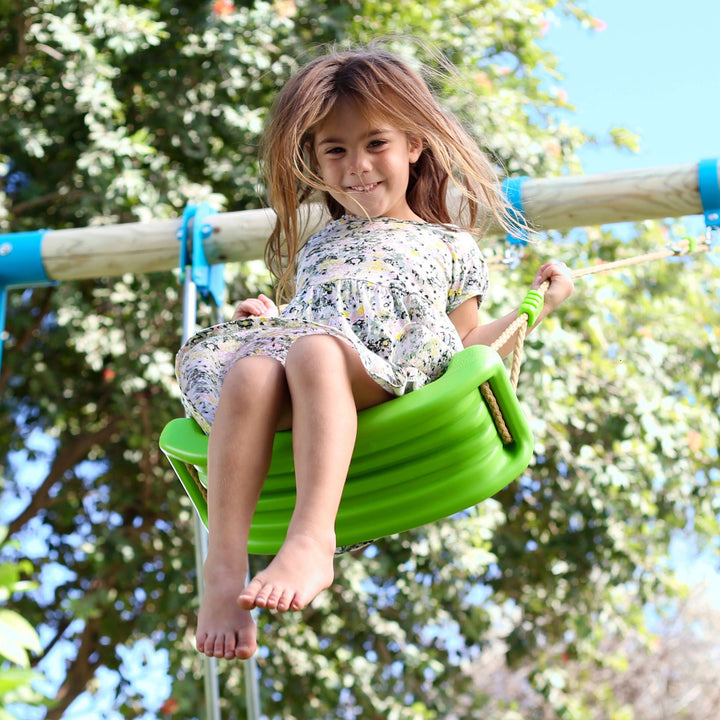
(671, 674)
(17, 640)
(123, 111)
(620, 467)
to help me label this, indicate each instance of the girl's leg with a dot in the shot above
(328, 385)
(253, 401)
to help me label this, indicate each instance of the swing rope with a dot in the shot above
(533, 302)
(196, 479)
(495, 413)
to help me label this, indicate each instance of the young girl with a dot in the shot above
(383, 296)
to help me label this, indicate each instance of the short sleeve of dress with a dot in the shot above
(469, 271)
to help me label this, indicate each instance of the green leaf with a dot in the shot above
(8, 575)
(17, 636)
(13, 678)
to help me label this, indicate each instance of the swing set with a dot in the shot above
(423, 456)
(420, 457)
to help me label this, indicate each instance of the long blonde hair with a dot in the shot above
(388, 89)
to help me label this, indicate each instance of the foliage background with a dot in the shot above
(114, 112)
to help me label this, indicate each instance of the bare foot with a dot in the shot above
(224, 630)
(299, 572)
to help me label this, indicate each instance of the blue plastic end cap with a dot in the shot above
(21, 263)
(512, 189)
(709, 187)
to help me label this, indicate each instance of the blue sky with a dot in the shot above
(654, 70)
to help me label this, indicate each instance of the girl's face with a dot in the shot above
(366, 165)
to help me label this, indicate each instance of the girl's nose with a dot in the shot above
(360, 163)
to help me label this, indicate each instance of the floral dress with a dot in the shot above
(382, 285)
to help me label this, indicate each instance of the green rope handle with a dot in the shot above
(532, 306)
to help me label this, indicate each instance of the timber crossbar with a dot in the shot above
(548, 204)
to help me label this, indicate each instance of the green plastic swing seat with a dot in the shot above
(418, 458)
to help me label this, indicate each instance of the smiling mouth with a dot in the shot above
(367, 187)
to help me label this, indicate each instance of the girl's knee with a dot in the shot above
(316, 363)
(255, 388)
(251, 375)
(312, 352)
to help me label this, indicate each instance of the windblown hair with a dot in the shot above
(385, 89)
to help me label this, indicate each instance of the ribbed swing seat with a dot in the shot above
(418, 458)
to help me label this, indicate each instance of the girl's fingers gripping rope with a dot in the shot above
(560, 283)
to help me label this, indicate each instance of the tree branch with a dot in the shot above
(72, 451)
(61, 628)
(21, 208)
(79, 673)
(23, 341)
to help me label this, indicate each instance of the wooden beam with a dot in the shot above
(549, 204)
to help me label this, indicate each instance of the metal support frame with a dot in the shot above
(210, 674)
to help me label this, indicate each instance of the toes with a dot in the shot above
(297, 603)
(272, 602)
(227, 647)
(218, 647)
(200, 643)
(268, 592)
(230, 647)
(247, 599)
(243, 652)
(206, 645)
(258, 595)
(285, 600)
(263, 597)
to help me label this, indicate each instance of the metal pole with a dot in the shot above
(212, 688)
(252, 682)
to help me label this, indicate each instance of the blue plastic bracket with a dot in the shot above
(21, 263)
(210, 279)
(709, 187)
(512, 189)
(21, 266)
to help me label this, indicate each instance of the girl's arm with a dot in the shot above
(465, 318)
(261, 306)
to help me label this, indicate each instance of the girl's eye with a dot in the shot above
(376, 144)
(334, 150)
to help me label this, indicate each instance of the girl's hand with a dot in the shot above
(261, 306)
(561, 284)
